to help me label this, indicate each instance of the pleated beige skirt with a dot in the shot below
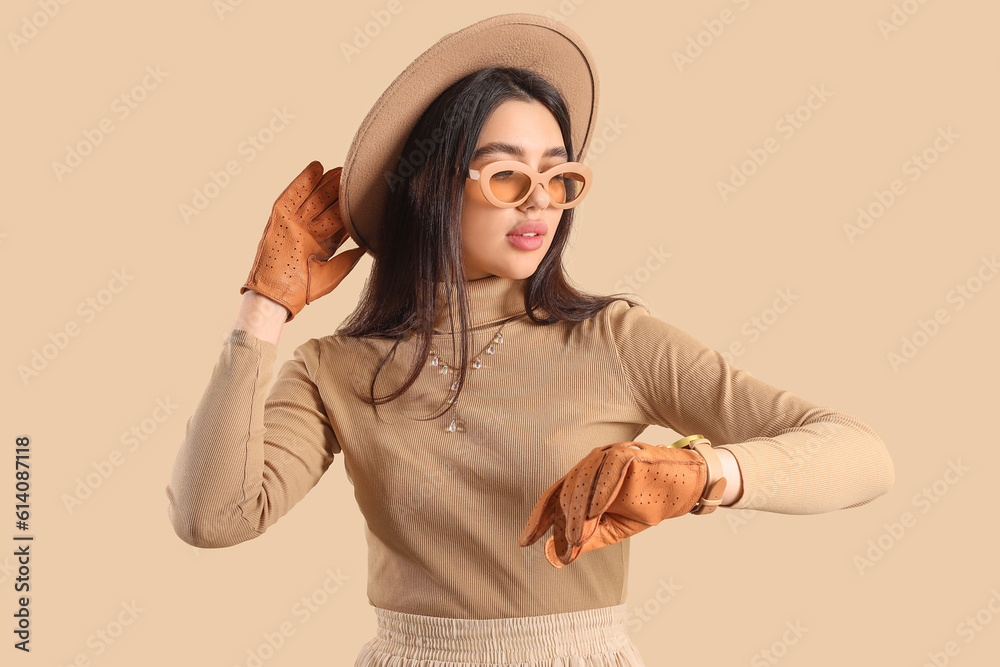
(589, 638)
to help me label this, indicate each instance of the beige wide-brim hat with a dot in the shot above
(528, 41)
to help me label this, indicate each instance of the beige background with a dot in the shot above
(739, 581)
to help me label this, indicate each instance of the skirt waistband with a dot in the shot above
(599, 634)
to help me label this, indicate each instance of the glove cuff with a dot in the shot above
(273, 294)
(715, 484)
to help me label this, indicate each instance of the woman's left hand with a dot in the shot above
(615, 492)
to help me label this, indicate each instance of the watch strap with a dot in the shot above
(715, 486)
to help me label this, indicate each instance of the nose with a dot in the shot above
(539, 198)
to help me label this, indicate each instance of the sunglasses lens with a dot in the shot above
(509, 186)
(566, 187)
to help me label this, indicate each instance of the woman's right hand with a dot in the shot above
(295, 263)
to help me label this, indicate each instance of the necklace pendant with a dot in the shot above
(457, 425)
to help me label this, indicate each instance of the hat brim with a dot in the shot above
(527, 41)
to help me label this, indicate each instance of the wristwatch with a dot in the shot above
(715, 486)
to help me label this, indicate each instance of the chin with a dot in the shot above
(516, 273)
(512, 267)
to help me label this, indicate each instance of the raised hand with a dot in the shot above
(295, 263)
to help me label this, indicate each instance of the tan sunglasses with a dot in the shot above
(508, 183)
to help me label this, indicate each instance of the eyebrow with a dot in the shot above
(501, 147)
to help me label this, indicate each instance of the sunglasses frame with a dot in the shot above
(486, 173)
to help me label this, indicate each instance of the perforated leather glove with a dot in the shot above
(295, 264)
(615, 492)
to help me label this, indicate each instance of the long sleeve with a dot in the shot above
(249, 456)
(795, 457)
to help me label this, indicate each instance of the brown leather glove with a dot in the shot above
(294, 265)
(615, 492)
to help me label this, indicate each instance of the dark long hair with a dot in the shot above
(419, 238)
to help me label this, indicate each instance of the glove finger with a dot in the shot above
(612, 478)
(541, 515)
(564, 551)
(588, 531)
(327, 229)
(325, 189)
(578, 490)
(322, 199)
(607, 492)
(550, 553)
(606, 532)
(301, 187)
(331, 181)
(327, 194)
(324, 276)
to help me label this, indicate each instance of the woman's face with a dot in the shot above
(526, 132)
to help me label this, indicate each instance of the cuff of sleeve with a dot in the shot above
(266, 350)
(748, 474)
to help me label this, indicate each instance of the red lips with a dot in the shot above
(529, 227)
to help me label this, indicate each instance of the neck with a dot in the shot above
(491, 300)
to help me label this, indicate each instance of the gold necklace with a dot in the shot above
(457, 425)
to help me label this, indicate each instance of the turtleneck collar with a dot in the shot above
(491, 300)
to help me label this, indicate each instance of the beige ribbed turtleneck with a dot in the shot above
(444, 510)
(491, 300)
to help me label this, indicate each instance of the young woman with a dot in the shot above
(475, 395)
